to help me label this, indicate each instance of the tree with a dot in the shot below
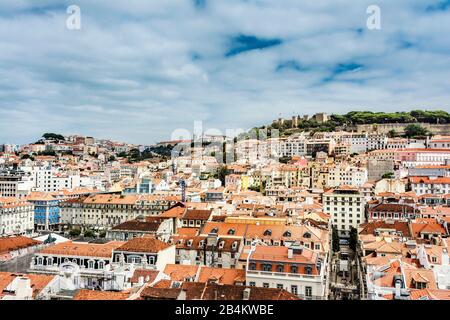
(415, 130)
(353, 238)
(285, 159)
(47, 153)
(26, 156)
(392, 133)
(74, 232)
(53, 136)
(89, 233)
(221, 173)
(335, 239)
(388, 175)
(111, 158)
(102, 234)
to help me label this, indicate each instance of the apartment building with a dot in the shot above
(144, 253)
(430, 185)
(107, 210)
(346, 206)
(82, 265)
(296, 269)
(14, 183)
(16, 217)
(346, 174)
(46, 211)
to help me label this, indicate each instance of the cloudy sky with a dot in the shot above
(139, 69)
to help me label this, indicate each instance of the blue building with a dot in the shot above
(46, 212)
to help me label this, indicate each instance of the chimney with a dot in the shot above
(182, 295)
(398, 286)
(445, 260)
(290, 253)
(246, 294)
(24, 291)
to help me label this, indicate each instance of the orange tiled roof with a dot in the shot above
(221, 275)
(38, 281)
(84, 294)
(81, 249)
(14, 243)
(143, 244)
(180, 272)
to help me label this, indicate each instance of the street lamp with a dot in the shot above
(253, 249)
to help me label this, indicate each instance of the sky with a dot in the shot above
(136, 71)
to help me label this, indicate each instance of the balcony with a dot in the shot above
(285, 275)
(304, 297)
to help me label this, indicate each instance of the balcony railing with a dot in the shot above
(286, 275)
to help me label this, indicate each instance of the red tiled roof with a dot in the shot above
(15, 243)
(143, 244)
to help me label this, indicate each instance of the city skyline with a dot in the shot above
(137, 72)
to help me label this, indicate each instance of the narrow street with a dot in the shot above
(343, 275)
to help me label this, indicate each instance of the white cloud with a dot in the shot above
(139, 70)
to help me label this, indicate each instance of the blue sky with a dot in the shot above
(137, 70)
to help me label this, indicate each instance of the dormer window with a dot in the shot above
(215, 230)
(189, 243)
(287, 234)
(307, 235)
(294, 269)
(234, 246)
(308, 269)
(267, 267)
(268, 232)
(201, 243)
(221, 244)
(231, 232)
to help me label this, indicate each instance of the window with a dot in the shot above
(280, 268)
(91, 264)
(134, 259)
(279, 286)
(308, 291)
(294, 289)
(308, 270)
(294, 269)
(267, 267)
(265, 285)
(252, 266)
(252, 284)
